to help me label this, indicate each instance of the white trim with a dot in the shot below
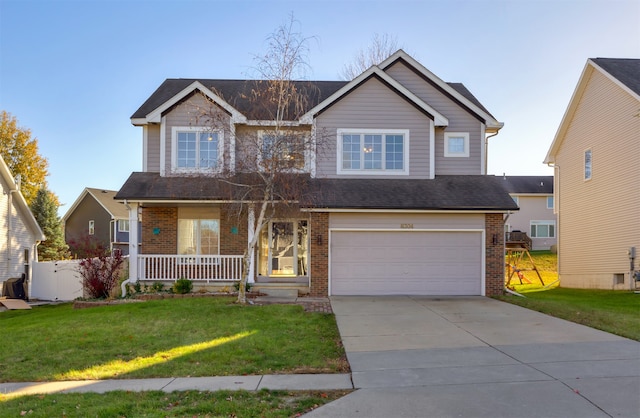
(231, 164)
(197, 130)
(156, 114)
(439, 119)
(376, 172)
(313, 150)
(145, 147)
(163, 146)
(432, 150)
(483, 149)
(464, 136)
(483, 272)
(492, 124)
(543, 222)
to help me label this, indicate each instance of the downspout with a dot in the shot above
(486, 151)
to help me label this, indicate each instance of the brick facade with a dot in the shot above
(319, 280)
(159, 230)
(494, 274)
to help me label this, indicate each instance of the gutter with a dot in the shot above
(123, 285)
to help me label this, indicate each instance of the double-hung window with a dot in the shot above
(198, 234)
(456, 144)
(543, 229)
(282, 150)
(373, 151)
(123, 225)
(196, 149)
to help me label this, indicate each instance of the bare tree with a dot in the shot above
(272, 160)
(381, 47)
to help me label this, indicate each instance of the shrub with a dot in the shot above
(247, 286)
(182, 286)
(157, 287)
(101, 274)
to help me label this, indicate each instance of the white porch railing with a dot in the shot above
(204, 268)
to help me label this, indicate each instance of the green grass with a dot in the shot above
(547, 264)
(176, 404)
(616, 312)
(166, 338)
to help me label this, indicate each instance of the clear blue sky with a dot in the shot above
(75, 71)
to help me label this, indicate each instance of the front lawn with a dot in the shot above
(616, 312)
(208, 336)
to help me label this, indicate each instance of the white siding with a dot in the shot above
(373, 106)
(599, 219)
(460, 120)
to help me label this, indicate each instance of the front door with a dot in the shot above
(284, 249)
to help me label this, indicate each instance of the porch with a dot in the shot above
(211, 271)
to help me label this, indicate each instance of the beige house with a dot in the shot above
(596, 156)
(536, 217)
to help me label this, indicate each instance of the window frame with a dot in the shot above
(542, 223)
(588, 164)
(405, 133)
(197, 257)
(303, 152)
(122, 222)
(92, 227)
(552, 202)
(450, 135)
(175, 130)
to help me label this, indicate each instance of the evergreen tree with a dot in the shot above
(45, 210)
(20, 151)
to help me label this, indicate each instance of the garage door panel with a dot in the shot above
(420, 262)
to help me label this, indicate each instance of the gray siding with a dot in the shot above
(76, 227)
(194, 112)
(153, 148)
(460, 120)
(373, 106)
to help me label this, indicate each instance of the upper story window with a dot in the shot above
(123, 225)
(282, 150)
(456, 144)
(549, 202)
(92, 227)
(587, 165)
(373, 151)
(196, 149)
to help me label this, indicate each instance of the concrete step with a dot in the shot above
(279, 292)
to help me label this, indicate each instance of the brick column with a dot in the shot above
(319, 274)
(494, 268)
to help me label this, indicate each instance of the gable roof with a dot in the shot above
(623, 72)
(20, 203)
(528, 184)
(105, 198)
(463, 193)
(234, 95)
(456, 91)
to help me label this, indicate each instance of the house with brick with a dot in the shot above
(401, 202)
(597, 181)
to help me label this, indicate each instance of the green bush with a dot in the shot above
(182, 286)
(157, 287)
(247, 286)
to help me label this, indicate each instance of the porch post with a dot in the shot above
(251, 228)
(133, 242)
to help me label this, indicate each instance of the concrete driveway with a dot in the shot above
(478, 357)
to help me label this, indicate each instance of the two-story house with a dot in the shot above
(406, 206)
(95, 217)
(595, 156)
(536, 218)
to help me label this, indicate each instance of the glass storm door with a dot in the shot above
(284, 249)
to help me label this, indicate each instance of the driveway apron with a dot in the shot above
(478, 357)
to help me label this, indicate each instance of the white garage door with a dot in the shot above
(406, 263)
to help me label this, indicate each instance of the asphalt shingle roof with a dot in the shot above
(442, 193)
(626, 70)
(528, 184)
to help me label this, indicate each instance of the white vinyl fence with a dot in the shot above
(55, 280)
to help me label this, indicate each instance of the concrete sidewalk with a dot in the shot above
(249, 383)
(478, 357)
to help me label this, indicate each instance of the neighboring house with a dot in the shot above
(20, 233)
(96, 216)
(427, 221)
(534, 196)
(597, 177)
